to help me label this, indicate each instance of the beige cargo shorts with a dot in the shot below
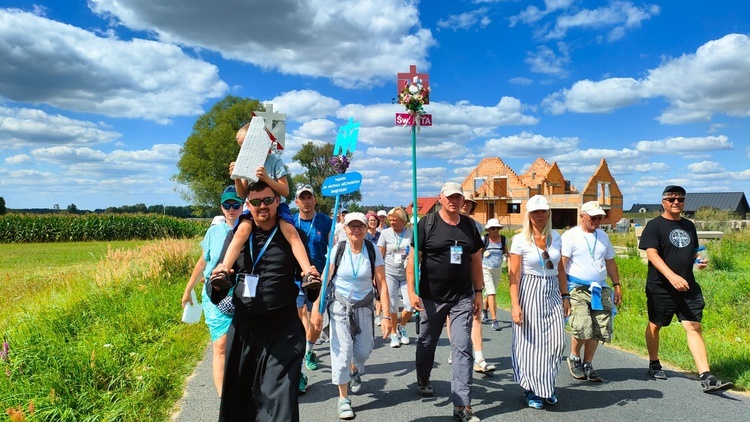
(586, 323)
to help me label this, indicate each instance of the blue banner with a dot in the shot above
(341, 184)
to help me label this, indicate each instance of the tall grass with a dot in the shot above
(103, 344)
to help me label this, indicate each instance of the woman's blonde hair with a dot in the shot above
(400, 213)
(528, 232)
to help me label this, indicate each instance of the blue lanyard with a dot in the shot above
(262, 250)
(591, 250)
(399, 239)
(355, 272)
(312, 224)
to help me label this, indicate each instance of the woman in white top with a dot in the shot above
(394, 245)
(539, 302)
(350, 310)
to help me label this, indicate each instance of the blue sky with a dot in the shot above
(98, 96)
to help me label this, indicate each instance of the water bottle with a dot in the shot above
(702, 254)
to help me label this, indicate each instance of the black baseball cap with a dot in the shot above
(673, 189)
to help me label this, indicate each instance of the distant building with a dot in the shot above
(424, 206)
(501, 193)
(644, 208)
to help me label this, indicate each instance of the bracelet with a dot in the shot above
(477, 290)
(566, 296)
(615, 284)
(386, 318)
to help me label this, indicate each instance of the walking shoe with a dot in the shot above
(311, 360)
(576, 368)
(483, 367)
(377, 319)
(424, 387)
(345, 409)
(355, 382)
(404, 336)
(532, 400)
(395, 342)
(303, 384)
(485, 316)
(591, 374)
(551, 400)
(496, 325)
(712, 384)
(450, 359)
(464, 414)
(656, 372)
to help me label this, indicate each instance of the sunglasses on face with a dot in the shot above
(267, 200)
(231, 205)
(596, 218)
(547, 263)
(671, 200)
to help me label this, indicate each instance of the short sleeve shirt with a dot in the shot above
(531, 256)
(395, 243)
(439, 279)
(676, 241)
(587, 253)
(274, 167)
(353, 278)
(212, 244)
(318, 231)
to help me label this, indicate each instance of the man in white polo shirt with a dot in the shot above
(589, 257)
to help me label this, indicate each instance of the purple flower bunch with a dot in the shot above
(5, 351)
(340, 163)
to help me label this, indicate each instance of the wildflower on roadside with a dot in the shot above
(5, 351)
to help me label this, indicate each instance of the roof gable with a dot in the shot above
(729, 201)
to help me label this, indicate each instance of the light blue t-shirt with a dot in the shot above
(493, 254)
(353, 278)
(212, 244)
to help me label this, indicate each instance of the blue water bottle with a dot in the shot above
(702, 254)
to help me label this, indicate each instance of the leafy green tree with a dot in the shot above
(3, 210)
(72, 209)
(314, 158)
(204, 159)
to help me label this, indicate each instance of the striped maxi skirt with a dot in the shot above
(537, 345)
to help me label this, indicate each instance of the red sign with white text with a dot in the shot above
(407, 119)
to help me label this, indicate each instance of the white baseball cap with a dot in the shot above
(355, 216)
(451, 188)
(592, 208)
(536, 203)
(382, 213)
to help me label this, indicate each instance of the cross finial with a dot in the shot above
(346, 140)
(407, 78)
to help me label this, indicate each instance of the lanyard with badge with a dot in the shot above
(312, 224)
(251, 280)
(597, 264)
(456, 252)
(399, 257)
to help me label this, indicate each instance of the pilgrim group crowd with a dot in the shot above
(266, 304)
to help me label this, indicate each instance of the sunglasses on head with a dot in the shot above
(267, 200)
(671, 200)
(547, 263)
(231, 206)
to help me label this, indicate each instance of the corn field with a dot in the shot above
(15, 228)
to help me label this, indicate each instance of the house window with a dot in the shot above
(479, 182)
(514, 208)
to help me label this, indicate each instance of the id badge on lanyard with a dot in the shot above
(456, 252)
(251, 286)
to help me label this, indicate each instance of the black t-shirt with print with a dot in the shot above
(676, 241)
(439, 279)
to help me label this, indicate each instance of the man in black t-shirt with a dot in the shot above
(450, 284)
(266, 341)
(671, 244)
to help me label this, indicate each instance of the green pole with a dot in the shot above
(414, 201)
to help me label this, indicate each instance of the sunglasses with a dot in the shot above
(267, 200)
(547, 263)
(596, 218)
(671, 200)
(231, 206)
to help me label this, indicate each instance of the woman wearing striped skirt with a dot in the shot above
(539, 303)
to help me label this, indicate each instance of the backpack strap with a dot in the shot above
(503, 241)
(486, 240)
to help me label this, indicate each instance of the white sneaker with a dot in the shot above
(395, 341)
(404, 335)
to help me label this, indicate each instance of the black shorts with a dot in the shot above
(664, 303)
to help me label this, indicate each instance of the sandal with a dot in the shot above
(483, 367)
(345, 409)
(551, 400)
(712, 384)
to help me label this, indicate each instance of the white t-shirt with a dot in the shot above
(396, 249)
(352, 287)
(531, 255)
(587, 253)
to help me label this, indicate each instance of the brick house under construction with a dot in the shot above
(502, 194)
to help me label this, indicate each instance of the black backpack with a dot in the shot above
(370, 253)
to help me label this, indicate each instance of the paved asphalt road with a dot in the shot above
(389, 390)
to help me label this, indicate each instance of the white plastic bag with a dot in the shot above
(191, 314)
